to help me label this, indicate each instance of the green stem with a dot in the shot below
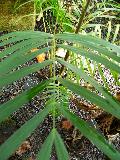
(54, 77)
(82, 17)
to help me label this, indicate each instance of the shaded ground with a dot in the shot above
(11, 20)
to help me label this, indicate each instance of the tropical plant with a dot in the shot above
(93, 25)
(19, 52)
(40, 11)
(91, 67)
(57, 89)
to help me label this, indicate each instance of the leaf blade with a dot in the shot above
(12, 105)
(7, 79)
(92, 134)
(12, 143)
(87, 78)
(101, 102)
(21, 45)
(87, 39)
(60, 147)
(95, 57)
(46, 149)
(20, 57)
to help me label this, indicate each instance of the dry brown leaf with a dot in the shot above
(23, 148)
(66, 124)
(118, 96)
(41, 57)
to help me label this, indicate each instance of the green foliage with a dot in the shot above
(57, 94)
(46, 149)
(91, 134)
(21, 134)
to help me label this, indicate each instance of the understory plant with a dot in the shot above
(99, 20)
(18, 50)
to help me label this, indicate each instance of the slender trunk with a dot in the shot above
(82, 17)
(76, 31)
